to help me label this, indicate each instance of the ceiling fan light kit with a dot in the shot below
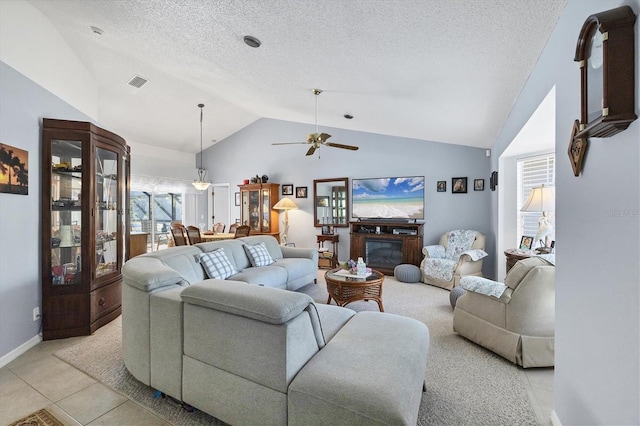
(316, 140)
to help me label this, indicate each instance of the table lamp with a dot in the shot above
(285, 204)
(541, 199)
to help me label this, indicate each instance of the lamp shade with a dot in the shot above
(542, 199)
(285, 203)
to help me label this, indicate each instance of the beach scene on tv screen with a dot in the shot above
(388, 198)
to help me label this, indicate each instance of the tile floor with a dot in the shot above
(39, 380)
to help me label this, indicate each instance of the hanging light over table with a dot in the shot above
(201, 184)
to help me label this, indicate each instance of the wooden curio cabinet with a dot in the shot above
(85, 175)
(257, 201)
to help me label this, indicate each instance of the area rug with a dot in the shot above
(466, 384)
(39, 418)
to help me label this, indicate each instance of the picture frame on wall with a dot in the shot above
(237, 194)
(287, 189)
(441, 186)
(526, 242)
(301, 192)
(14, 170)
(322, 201)
(459, 185)
(478, 184)
(493, 181)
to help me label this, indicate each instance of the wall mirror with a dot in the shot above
(331, 202)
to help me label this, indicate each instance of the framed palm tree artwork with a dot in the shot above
(14, 170)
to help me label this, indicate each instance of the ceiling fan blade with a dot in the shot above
(290, 143)
(339, 145)
(311, 150)
(323, 137)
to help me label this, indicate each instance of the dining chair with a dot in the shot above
(242, 231)
(193, 234)
(179, 233)
(219, 227)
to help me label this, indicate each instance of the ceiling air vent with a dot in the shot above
(137, 81)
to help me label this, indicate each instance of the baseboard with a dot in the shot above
(555, 421)
(6, 359)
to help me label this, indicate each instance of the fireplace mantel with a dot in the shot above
(384, 245)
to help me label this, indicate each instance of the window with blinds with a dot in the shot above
(532, 173)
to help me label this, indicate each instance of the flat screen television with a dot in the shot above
(388, 198)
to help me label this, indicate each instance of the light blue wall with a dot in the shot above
(250, 152)
(23, 104)
(597, 373)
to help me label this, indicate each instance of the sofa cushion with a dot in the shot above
(216, 264)
(371, 372)
(268, 276)
(258, 255)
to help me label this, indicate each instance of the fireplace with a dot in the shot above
(385, 245)
(383, 254)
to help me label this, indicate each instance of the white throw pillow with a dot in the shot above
(258, 254)
(216, 264)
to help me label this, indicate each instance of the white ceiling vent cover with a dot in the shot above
(137, 81)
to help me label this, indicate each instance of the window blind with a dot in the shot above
(533, 172)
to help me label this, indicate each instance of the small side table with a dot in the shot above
(513, 255)
(328, 262)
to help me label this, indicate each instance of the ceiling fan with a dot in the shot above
(318, 139)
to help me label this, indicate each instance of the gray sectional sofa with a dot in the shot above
(248, 350)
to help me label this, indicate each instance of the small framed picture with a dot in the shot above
(289, 244)
(442, 186)
(326, 230)
(478, 184)
(322, 201)
(237, 198)
(526, 242)
(301, 192)
(459, 185)
(287, 189)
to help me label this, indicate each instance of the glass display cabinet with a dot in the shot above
(257, 201)
(84, 226)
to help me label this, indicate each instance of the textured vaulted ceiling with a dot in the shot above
(439, 70)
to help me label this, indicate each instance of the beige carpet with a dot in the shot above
(466, 384)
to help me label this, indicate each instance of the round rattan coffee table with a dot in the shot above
(345, 288)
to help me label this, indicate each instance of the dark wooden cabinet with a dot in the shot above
(385, 245)
(257, 201)
(85, 176)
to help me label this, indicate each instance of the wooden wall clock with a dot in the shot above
(606, 54)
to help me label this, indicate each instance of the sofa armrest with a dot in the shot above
(473, 255)
(483, 286)
(305, 253)
(435, 251)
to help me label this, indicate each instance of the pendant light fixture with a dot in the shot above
(201, 184)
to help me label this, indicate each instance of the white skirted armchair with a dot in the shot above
(514, 319)
(459, 253)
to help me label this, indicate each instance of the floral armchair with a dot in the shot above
(459, 253)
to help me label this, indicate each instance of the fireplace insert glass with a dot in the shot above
(383, 253)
